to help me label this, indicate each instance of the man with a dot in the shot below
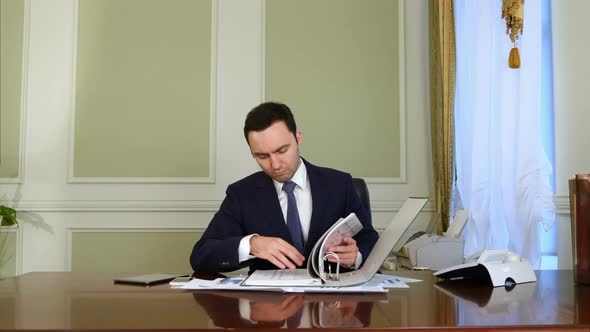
(272, 219)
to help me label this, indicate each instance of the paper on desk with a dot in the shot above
(378, 284)
(391, 279)
(282, 278)
(348, 289)
(226, 284)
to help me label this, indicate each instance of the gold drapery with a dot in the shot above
(442, 93)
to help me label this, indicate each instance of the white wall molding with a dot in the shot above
(402, 103)
(70, 230)
(562, 204)
(394, 206)
(263, 52)
(160, 205)
(18, 245)
(23, 97)
(402, 179)
(212, 118)
(116, 205)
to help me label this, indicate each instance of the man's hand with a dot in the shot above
(346, 251)
(276, 250)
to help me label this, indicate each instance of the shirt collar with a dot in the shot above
(300, 178)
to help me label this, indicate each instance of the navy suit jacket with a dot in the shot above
(252, 206)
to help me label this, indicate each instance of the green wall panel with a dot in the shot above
(132, 251)
(11, 59)
(336, 64)
(143, 88)
(7, 254)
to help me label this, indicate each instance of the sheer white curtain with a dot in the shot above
(503, 173)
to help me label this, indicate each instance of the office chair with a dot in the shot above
(363, 191)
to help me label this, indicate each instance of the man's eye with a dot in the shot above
(283, 150)
(261, 157)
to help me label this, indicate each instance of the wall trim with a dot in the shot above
(70, 230)
(212, 118)
(160, 205)
(116, 205)
(23, 96)
(394, 206)
(263, 52)
(402, 179)
(18, 246)
(19, 249)
(562, 204)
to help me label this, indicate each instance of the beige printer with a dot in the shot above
(434, 252)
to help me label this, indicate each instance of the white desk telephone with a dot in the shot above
(500, 267)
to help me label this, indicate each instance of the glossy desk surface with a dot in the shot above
(90, 301)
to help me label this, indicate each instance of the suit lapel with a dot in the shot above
(318, 197)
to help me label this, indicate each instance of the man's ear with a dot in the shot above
(298, 137)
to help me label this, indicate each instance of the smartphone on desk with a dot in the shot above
(148, 279)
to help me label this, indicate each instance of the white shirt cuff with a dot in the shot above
(359, 260)
(244, 249)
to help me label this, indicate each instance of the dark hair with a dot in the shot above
(265, 114)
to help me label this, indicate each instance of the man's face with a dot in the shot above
(276, 151)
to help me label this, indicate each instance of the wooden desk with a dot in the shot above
(82, 301)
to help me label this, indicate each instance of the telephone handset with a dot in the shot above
(493, 256)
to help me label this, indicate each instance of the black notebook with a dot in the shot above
(148, 279)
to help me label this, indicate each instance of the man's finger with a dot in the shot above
(283, 259)
(349, 240)
(293, 254)
(295, 257)
(342, 257)
(343, 249)
(276, 262)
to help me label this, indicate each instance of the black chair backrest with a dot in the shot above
(363, 191)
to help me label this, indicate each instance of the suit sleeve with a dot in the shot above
(217, 250)
(367, 237)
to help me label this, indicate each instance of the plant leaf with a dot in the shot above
(8, 216)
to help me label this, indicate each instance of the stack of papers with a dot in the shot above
(380, 283)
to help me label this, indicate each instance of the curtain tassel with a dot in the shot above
(514, 58)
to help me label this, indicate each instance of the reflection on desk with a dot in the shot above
(67, 301)
(266, 309)
(490, 300)
(536, 303)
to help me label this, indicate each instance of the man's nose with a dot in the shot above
(274, 162)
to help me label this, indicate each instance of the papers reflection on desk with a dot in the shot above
(378, 284)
